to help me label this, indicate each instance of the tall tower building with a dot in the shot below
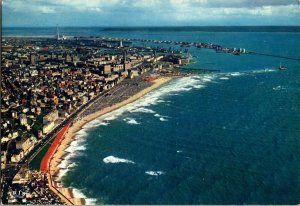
(57, 35)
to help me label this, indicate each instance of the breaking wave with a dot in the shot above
(95, 123)
(163, 119)
(131, 121)
(62, 173)
(142, 110)
(155, 173)
(116, 160)
(233, 74)
(264, 70)
(88, 201)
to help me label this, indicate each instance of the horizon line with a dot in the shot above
(154, 26)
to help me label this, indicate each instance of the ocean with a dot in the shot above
(229, 137)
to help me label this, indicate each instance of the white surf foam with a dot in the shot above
(235, 74)
(156, 96)
(90, 201)
(205, 79)
(95, 123)
(62, 173)
(163, 119)
(72, 149)
(66, 161)
(104, 123)
(72, 165)
(91, 124)
(247, 73)
(264, 70)
(143, 110)
(224, 78)
(81, 133)
(77, 145)
(77, 141)
(79, 194)
(155, 173)
(76, 192)
(115, 160)
(64, 164)
(199, 86)
(130, 121)
(184, 84)
(279, 88)
(113, 117)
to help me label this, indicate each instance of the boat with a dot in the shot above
(281, 67)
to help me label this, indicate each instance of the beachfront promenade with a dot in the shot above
(125, 92)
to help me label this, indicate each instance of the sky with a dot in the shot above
(28, 13)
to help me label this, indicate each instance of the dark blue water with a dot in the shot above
(225, 138)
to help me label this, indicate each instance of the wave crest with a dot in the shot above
(155, 173)
(131, 121)
(115, 160)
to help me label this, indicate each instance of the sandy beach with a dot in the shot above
(77, 125)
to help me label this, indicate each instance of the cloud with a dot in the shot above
(87, 5)
(29, 6)
(267, 11)
(97, 5)
(153, 12)
(232, 3)
(151, 4)
(45, 6)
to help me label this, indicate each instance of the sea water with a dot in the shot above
(230, 137)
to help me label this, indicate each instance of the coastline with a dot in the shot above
(57, 158)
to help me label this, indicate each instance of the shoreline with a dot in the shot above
(77, 125)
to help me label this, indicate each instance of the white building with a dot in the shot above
(23, 119)
(50, 117)
(48, 127)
